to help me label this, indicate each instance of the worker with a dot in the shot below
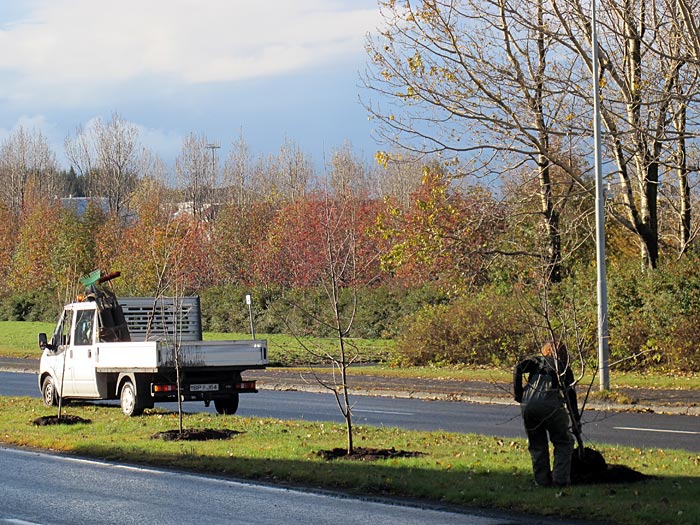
(544, 402)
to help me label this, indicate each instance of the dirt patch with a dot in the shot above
(55, 420)
(367, 454)
(204, 434)
(592, 468)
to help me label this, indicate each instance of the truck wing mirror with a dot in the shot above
(44, 343)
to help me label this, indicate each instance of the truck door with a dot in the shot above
(63, 364)
(83, 354)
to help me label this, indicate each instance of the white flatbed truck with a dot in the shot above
(108, 349)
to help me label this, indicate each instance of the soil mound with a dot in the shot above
(367, 454)
(203, 434)
(55, 420)
(591, 468)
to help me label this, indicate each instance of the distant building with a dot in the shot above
(79, 205)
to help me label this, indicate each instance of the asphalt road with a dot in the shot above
(39, 488)
(643, 430)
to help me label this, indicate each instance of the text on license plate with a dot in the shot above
(204, 387)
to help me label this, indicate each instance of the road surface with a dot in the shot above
(643, 430)
(39, 488)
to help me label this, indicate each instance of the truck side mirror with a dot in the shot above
(44, 343)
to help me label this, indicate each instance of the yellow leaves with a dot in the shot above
(415, 63)
(382, 158)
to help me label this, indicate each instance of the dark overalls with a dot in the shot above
(544, 411)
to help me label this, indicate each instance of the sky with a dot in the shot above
(269, 70)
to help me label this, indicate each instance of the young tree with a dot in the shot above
(170, 289)
(322, 241)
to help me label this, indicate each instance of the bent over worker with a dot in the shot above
(543, 403)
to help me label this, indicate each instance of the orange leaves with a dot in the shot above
(311, 238)
(441, 236)
(37, 238)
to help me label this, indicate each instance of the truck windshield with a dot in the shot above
(83, 327)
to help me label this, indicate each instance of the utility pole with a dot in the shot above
(213, 146)
(602, 289)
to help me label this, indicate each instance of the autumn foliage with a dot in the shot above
(445, 236)
(309, 236)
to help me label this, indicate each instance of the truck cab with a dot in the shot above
(71, 353)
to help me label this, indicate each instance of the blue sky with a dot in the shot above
(271, 69)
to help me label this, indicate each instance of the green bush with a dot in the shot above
(39, 305)
(482, 330)
(653, 316)
(380, 310)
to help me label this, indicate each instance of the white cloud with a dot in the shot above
(70, 49)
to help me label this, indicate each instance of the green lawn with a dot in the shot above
(457, 469)
(20, 338)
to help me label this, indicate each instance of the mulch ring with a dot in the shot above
(367, 454)
(55, 420)
(592, 468)
(200, 434)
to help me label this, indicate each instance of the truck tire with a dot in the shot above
(228, 406)
(130, 401)
(49, 393)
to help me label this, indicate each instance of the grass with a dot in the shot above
(20, 338)
(457, 469)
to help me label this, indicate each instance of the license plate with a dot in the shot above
(204, 387)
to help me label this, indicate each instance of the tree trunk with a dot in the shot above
(682, 172)
(550, 214)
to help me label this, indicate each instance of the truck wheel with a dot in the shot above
(227, 406)
(129, 400)
(49, 393)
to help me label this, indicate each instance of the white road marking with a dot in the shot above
(384, 412)
(668, 431)
(13, 521)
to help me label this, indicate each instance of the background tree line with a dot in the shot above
(473, 231)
